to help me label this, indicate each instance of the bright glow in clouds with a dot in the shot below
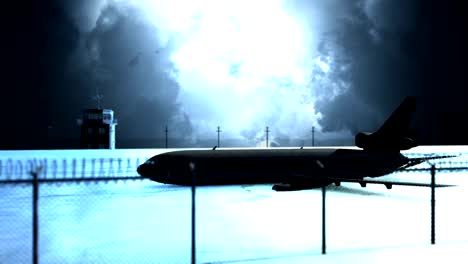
(241, 64)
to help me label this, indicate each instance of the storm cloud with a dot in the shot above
(395, 49)
(193, 77)
(340, 66)
(380, 66)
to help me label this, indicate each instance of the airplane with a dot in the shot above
(293, 169)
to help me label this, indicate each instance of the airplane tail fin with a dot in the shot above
(393, 134)
(398, 122)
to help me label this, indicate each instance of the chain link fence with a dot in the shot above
(89, 210)
(98, 210)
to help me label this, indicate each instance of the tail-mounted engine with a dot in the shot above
(374, 141)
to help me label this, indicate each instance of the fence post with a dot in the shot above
(192, 169)
(324, 245)
(433, 204)
(35, 204)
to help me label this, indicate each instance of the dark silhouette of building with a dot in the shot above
(97, 129)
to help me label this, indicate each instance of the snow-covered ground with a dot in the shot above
(146, 222)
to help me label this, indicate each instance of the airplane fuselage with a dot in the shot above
(261, 166)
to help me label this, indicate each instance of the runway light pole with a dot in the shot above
(313, 136)
(218, 131)
(166, 131)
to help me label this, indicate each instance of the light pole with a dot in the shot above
(166, 131)
(218, 131)
(313, 136)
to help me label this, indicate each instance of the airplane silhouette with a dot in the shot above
(290, 169)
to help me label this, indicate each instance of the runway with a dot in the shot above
(147, 222)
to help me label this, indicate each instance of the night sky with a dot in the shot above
(340, 66)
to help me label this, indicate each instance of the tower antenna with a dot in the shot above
(98, 97)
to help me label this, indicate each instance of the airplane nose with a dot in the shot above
(139, 169)
(151, 170)
(143, 170)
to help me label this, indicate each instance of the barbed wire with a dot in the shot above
(63, 169)
(18, 171)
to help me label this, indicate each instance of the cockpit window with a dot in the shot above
(151, 162)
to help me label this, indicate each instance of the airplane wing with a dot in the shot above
(388, 184)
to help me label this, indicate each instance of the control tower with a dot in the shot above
(97, 129)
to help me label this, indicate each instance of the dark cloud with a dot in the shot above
(134, 78)
(122, 59)
(395, 49)
(376, 72)
(66, 65)
(58, 53)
